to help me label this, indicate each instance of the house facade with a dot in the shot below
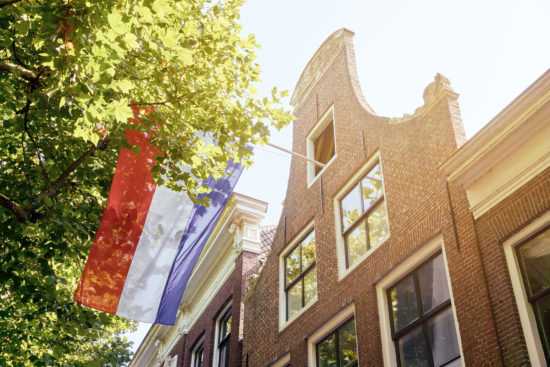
(405, 245)
(209, 325)
(399, 244)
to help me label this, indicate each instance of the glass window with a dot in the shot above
(364, 215)
(534, 260)
(224, 333)
(300, 275)
(323, 146)
(198, 356)
(338, 349)
(423, 327)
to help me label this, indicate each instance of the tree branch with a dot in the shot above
(9, 2)
(32, 76)
(19, 212)
(50, 191)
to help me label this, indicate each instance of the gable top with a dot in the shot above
(321, 61)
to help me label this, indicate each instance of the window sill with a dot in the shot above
(306, 307)
(344, 273)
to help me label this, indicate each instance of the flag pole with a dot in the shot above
(317, 163)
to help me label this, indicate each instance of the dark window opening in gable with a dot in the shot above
(323, 146)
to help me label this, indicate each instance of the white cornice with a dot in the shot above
(507, 153)
(498, 138)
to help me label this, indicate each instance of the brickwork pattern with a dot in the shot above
(418, 209)
(493, 228)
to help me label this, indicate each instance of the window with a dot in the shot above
(338, 349)
(421, 317)
(363, 215)
(198, 355)
(223, 335)
(321, 145)
(534, 262)
(300, 275)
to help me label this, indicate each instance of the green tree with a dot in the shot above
(70, 73)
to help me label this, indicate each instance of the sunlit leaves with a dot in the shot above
(185, 63)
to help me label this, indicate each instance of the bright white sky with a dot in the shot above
(490, 50)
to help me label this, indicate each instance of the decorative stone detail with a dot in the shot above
(171, 361)
(317, 66)
(433, 93)
(246, 236)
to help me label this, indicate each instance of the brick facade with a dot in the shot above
(468, 200)
(421, 205)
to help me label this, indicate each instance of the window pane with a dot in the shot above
(378, 225)
(357, 243)
(293, 265)
(324, 145)
(535, 259)
(433, 283)
(294, 299)
(403, 303)
(310, 284)
(413, 350)
(542, 308)
(308, 250)
(351, 207)
(223, 362)
(347, 343)
(227, 326)
(372, 186)
(443, 337)
(326, 352)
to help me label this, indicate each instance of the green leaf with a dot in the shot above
(116, 23)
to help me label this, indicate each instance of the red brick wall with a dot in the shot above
(493, 228)
(418, 209)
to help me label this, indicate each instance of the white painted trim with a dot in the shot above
(281, 362)
(512, 185)
(326, 329)
(282, 299)
(327, 117)
(409, 264)
(340, 244)
(186, 320)
(526, 315)
(507, 123)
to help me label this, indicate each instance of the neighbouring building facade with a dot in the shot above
(209, 326)
(405, 245)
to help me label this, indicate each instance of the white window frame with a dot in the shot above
(327, 117)
(283, 323)
(400, 271)
(340, 243)
(217, 332)
(340, 318)
(525, 310)
(195, 348)
(281, 362)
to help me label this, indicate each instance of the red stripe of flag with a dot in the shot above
(113, 249)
